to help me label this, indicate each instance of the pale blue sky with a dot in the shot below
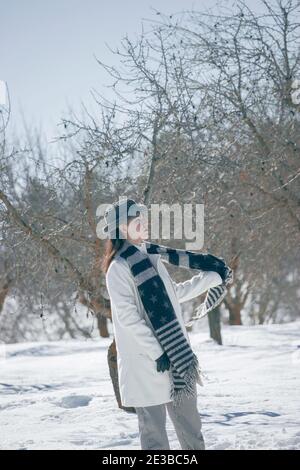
(47, 50)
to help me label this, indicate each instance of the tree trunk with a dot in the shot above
(214, 321)
(102, 325)
(235, 314)
(4, 292)
(113, 370)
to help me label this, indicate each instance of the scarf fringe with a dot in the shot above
(191, 377)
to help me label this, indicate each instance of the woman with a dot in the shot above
(143, 366)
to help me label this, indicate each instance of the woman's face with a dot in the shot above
(137, 229)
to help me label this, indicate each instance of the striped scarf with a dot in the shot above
(201, 262)
(184, 366)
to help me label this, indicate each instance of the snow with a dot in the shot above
(58, 395)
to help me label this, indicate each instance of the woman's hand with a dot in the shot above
(163, 363)
(213, 263)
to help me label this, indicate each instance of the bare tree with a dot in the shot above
(204, 114)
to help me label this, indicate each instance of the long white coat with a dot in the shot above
(137, 347)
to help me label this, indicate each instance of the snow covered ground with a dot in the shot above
(59, 395)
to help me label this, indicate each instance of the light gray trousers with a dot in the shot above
(185, 418)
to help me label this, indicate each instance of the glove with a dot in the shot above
(223, 271)
(212, 263)
(163, 363)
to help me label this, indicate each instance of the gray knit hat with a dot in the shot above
(119, 212)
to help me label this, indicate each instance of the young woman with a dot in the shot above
(143, 367)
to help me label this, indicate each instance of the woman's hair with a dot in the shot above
(112, 245)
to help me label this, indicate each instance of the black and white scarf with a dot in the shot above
(184, 366)
(201, 262)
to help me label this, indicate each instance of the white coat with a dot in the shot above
(137, 347)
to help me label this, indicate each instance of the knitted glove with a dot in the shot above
(163, 363)
(212, 263)
(222, 270)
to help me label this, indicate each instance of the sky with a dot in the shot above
(48, 51)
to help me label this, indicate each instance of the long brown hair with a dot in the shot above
(112, 245)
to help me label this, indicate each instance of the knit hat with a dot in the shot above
(119, 212)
